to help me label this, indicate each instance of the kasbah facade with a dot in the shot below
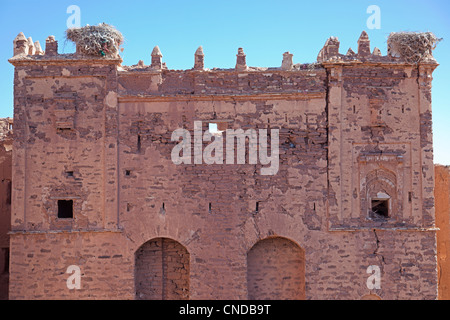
(88, 180)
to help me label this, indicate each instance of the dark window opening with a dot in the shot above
(65, 209)
(210, 208)
(409, 196)
(8, 192)
(381, 208)
(257, 207)
(163, 209)
(127, 172)
(69, 173)
(6, 260)
(139, 143)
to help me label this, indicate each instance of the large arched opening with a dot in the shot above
(276, 270)
(162, 270)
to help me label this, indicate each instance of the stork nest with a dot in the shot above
(102, 40)
(413, 47)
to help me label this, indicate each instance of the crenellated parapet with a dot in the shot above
(25, 48)
(330, 51)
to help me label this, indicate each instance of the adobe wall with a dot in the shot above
(442, 193)
(5, 202)
(351, 128)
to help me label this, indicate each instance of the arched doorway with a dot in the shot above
(162, 270)
(276, 270)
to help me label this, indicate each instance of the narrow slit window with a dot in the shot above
(6, 260)
(9, 192)
(139, 143)
(65, 209)
(381, 207)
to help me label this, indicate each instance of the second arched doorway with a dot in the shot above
(162, 270)
(276, 270)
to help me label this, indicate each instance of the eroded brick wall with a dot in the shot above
(442, 196)
(351, 131)
(5, 202)
(276, 270)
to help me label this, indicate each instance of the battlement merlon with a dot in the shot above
(25, 52)
(400, 50)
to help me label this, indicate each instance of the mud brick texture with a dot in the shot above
(354, 131)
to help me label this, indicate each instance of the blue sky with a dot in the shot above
(265, 29)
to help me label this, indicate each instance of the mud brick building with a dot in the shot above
(6, 141)
(94, 185)
(442, 202)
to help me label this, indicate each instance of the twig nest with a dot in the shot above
(102, 40)
(413, 47)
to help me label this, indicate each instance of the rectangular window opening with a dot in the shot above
(380, 207)
(5, 260)
(217, 128)
(65, 209)
(9, 192)
(139, 143)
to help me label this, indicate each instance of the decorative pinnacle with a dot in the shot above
(156, 52)
(20, 37)
(31, 48)
(38, 47)
(364, 44)
(50, 39)
(241, 63)
(376, 52)
(199, 63)
(20, 45)
(199, 51)
(363, 36)
(287, 62)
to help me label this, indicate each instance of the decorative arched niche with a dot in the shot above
(380, 195)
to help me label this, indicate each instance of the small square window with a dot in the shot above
(380, 207)
(65, 209)
(217, 128)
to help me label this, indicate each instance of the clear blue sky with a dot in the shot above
(265, 29)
